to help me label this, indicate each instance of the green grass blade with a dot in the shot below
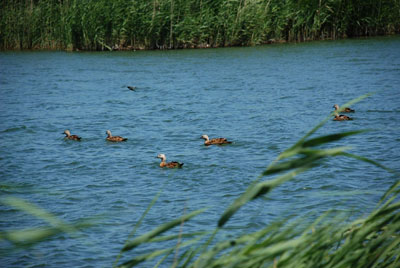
(311, 158)
(330, 138)
(28, 237)
(255, 191)
(190, 255)
(370, 162)
(137, 225)
(163, 259)
(200, 261)
(40, 213)
(173, 237)
(392, 189)
(156, 253)
(161, 229)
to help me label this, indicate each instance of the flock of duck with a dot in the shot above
(342, 117)
(164, 163)
(207, 140)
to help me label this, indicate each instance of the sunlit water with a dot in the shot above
(262, 98)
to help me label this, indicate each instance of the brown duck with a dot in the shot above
(71, 137)
(345, 110)
(114, 138)
(340, 117)
(169, 164)
(216, 141)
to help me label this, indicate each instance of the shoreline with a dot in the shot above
(107, 48)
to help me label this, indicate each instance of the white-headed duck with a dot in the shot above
(71, 137)
(345, 110)
(114, 138)
(169, 164)
(216, 141)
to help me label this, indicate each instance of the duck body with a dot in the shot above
(131, 88)
(166, 164)
(114, 138)
(215, 141)
(71, 137)
(345, 110)
(171, 164)
(342, 117)
(348, 110)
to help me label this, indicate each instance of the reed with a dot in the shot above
(167, 24)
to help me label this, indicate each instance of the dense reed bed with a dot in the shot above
(332, 240)
(168, 24)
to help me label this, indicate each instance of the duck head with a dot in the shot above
(162, 157)
(205, 137)
(66, 132)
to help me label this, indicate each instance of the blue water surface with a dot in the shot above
(262, 98)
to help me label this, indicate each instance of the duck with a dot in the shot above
(169, 164)
(114, 138)
(71, 137)
(216, 141)
(345, 110)
(342, 117)
(131, 88)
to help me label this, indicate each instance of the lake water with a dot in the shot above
(262, 98)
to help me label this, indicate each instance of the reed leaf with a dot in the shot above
(173, 237)
(252, 238)
(330, 138)
(370, 161)
(29, 237)
(138, 224)
(393, 189)
(311, 158)
(255, 191)
(156, 253)
(38, 212)
(159, 230)
(200, 250)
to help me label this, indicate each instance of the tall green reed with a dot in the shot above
(161, 24)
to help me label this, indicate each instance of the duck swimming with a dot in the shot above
(216, 141)
(340, 117)
(71, 137)
(131, 88)
(114, 138)
(169, 164)
(346, 110)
